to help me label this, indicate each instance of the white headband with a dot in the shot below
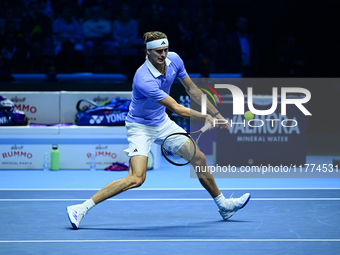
(157, 44)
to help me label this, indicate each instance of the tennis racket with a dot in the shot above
(180, 148)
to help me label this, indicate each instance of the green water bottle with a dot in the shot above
(55, 158)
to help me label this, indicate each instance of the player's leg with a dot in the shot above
(205, 177)
(140, 140)
(135, 178)
(226, 207)
(185, 148)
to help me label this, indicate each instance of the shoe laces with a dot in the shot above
(231, 203)
(81, 210)
(234, 201)
(231, 197)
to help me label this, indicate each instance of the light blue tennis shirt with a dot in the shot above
(150, 86)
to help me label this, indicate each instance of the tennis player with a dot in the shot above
(147, 122)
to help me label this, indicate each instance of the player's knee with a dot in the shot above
(136, 181)
(199, 158)
(139, 181)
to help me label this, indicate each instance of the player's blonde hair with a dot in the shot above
(153, 35)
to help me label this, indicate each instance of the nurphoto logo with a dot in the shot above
(238, 101)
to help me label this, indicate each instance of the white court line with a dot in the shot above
(172, 240)
(162, 199)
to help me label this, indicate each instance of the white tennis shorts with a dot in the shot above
(141, 137)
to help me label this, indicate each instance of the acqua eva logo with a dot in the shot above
(204, 98)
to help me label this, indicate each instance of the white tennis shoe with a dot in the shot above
(233, 205)
(75, 214)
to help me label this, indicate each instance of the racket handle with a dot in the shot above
(206, 127)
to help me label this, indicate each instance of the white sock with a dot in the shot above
(220, 201)
(88, 204)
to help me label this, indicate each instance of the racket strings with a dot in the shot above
(179, 149)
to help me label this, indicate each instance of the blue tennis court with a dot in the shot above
(170, 214)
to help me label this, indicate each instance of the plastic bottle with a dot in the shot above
(55, 158)
(93, 162)
(45, 165)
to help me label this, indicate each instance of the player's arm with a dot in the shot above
(183, 111)
(196, 94)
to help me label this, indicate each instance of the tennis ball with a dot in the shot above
(249, 115)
